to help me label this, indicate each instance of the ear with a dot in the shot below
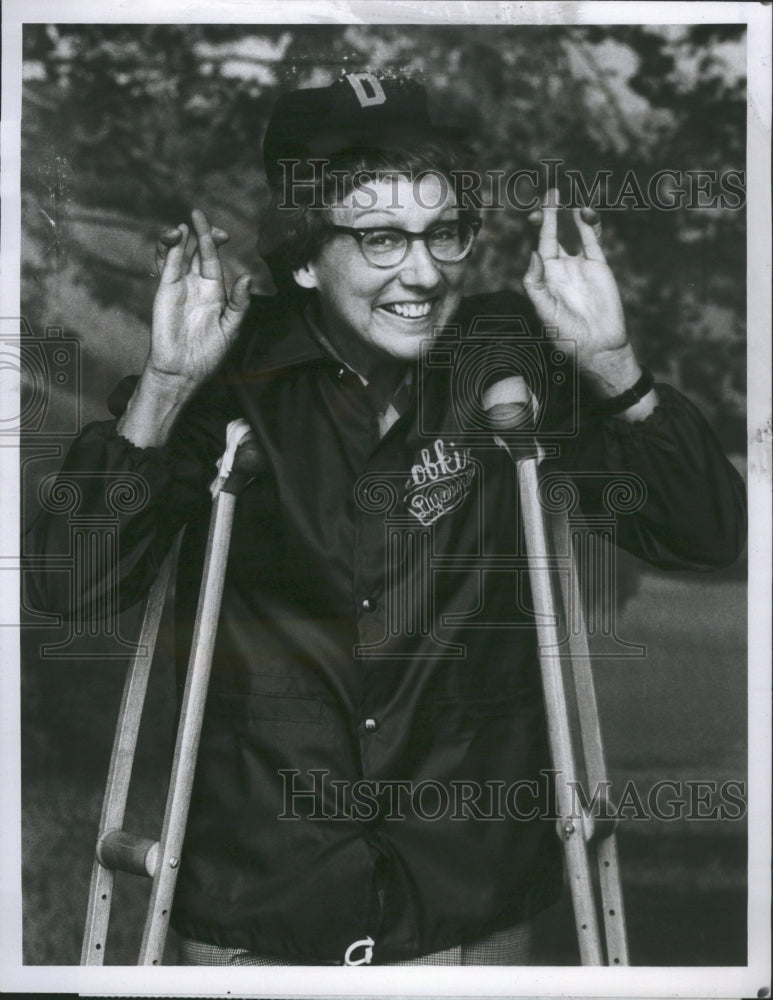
(306, 276)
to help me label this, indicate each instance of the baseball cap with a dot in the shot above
(359, 109)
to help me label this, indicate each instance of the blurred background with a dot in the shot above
(126, 128)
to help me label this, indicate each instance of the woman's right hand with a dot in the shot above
(194, 325)
(194, 321)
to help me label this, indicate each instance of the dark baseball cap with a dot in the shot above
(358, 110)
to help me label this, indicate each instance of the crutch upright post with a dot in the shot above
(118, 849)
(510, 404)
(575, 827)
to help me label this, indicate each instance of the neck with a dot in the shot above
(373, 365)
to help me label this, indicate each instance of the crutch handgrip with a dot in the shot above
(241, 461)
(605, 819)
(508, 403)
(248, 462)
(119, 850)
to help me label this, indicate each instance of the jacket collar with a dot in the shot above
(284, 337)
(278, 337)
(281, 334)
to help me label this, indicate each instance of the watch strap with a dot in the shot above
(617, 404)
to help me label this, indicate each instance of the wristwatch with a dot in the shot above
(617, 404)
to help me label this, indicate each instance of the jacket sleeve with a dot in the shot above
(132, 500)
(681, 504)
(678, 502)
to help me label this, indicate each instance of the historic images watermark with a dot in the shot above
(314, 184)
(316, 795)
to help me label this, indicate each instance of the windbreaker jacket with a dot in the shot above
(374, 760)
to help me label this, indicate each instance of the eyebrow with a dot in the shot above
(390, 212)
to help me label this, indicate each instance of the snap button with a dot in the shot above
(370, 604)
(366, 943)
(370, 724)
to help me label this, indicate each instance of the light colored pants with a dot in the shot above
(511, 946)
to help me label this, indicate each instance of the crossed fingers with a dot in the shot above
(586, 220)
(172, 243)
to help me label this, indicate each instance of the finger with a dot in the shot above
(207, 250)
(237, 305)
(548, 234)
(590, 241)
(171, 259)
(219, 236)
(592, 217)
(535, 218)
(166, 240)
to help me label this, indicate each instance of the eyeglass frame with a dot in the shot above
(410, 238)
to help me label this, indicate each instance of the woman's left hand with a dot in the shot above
(578, 295)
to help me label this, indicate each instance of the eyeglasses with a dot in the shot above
(447, 242)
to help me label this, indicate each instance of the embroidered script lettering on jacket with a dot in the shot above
(439, 483)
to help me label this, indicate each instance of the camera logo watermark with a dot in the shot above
(47, 371)
(490, 389)
(492, 348)
(82, 576)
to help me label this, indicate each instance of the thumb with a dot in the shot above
(534, 282)
(237, 305)
(535, 273)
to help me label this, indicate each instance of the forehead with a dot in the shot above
(396, 198)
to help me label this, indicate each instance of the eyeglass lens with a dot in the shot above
(446, 243)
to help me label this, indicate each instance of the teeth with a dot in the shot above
(410, 310)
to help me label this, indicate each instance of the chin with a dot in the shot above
(407, 344)
(406, 348)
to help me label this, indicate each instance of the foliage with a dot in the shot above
(127, 127)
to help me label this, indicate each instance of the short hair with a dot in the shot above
(294, 229)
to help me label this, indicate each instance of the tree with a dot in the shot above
(126, 127)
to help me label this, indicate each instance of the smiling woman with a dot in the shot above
(376, 626)
(374, 310)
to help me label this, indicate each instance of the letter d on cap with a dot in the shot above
(358, 82)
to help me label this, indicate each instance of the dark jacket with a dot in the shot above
(374, 758)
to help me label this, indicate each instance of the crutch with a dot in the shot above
(579, 833)
(117, 849)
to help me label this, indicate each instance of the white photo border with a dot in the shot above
(431, 981)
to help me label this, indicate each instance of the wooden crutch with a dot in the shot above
(507, 403)
(576, 828)
(118, 849)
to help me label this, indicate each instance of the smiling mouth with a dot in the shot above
(409, 310)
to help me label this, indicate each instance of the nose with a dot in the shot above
(418, 268)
